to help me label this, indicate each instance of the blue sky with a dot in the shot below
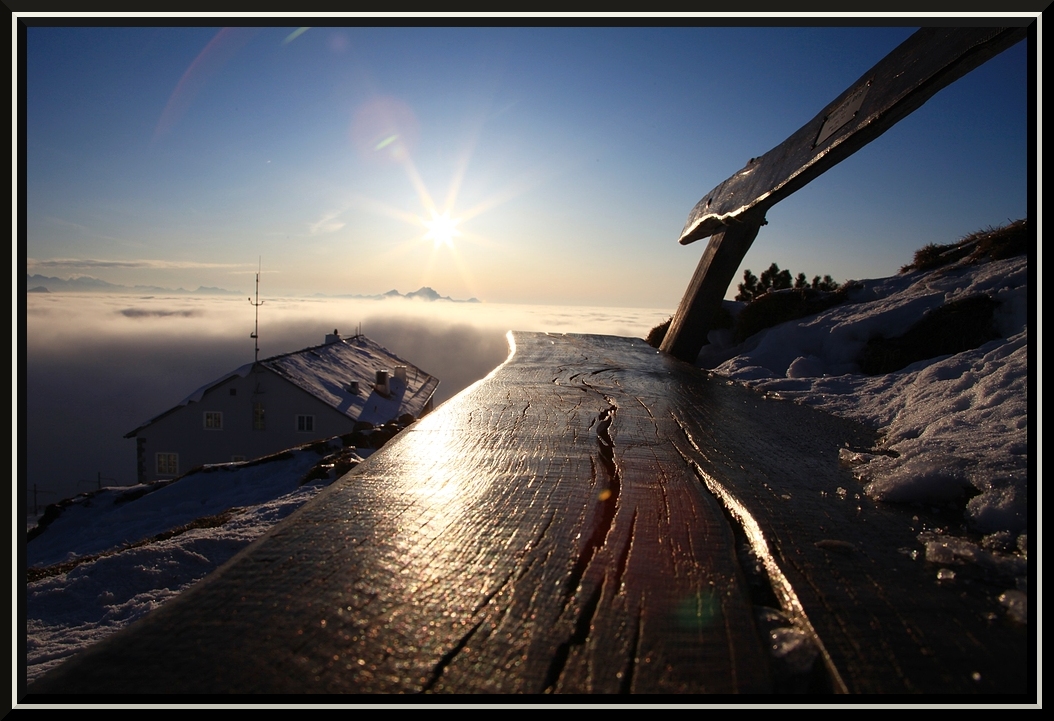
(571, 156)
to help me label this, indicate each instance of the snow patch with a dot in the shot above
(952, 426)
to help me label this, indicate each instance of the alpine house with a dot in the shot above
(281, 402)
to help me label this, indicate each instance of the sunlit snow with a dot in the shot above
(952, 426)
(111, 559)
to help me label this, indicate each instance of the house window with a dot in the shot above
(234, 391)
(305, 424)
(168, 464)
(258, 417)
(213, 421)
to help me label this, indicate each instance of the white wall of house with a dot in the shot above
(221, 426)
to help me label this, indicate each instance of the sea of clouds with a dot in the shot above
(97, 366)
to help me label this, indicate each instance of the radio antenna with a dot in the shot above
(255, 335)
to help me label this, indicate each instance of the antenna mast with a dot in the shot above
(255, 335)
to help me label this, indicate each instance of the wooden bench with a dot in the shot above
(597, 516)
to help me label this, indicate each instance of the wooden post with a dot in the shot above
(695, 315)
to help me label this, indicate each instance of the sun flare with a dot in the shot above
(442, 229)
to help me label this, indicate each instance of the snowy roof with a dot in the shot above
(325, 371)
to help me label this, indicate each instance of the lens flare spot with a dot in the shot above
(294, 35)
(386, 142)
(384, 124)
(699, 612)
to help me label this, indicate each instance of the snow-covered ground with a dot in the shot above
(953, 428)
(113, 555)
(952, 425)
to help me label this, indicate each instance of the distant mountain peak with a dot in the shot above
(426, 293)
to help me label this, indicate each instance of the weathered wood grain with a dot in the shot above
(571, 525)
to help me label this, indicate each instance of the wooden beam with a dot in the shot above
(900, 83)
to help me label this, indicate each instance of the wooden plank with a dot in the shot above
(695, 315)
(573, 524)
(897, 85)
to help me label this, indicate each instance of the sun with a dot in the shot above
(442, 229)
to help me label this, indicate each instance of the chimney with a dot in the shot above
(382, 386)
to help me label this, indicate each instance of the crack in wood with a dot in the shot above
(608, 499)
(626, 685)
(740, 517)
(623, 559)
(510, 580)
(487, 598)
(602, 527)
(448, 657)
(578, 638)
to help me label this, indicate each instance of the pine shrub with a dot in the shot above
(1006, 241)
